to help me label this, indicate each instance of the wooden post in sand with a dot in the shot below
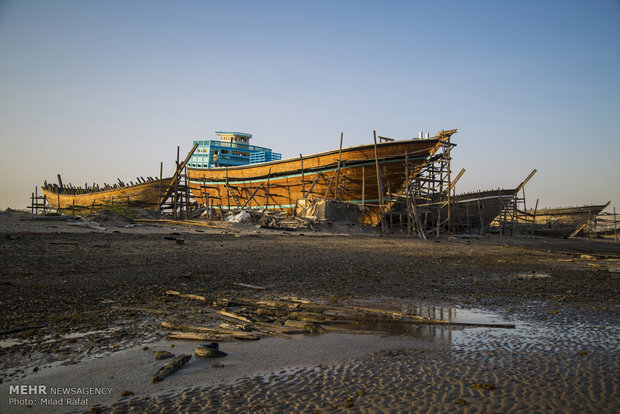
(447, 150)
(161, 173)
(379, 187)
(363, 196)
(175, 198)
(227, 190)
(303, 181)
(615, 226)
(267, 191)
(186, 194)
(408, 194)
(338, 169)
(534, 218)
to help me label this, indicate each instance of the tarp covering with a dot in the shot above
(330, 210)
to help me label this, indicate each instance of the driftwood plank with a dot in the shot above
(185, 295)
(171, 367)
(192, 328)
(213, 337)
(198, 336)
(234, 316)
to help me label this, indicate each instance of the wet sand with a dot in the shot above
(88, 296)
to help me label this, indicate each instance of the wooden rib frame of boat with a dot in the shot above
(79, 200)
(348, 174)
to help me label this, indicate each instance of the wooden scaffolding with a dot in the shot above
(176, 199)
(423, 206)
(38, 203)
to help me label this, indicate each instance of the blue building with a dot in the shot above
(232, 149)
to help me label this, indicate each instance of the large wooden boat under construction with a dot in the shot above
(348, 174)
(77, 200)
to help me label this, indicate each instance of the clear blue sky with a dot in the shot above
(96, 90)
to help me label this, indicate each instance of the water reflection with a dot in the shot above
(419, 321)
(440, 335)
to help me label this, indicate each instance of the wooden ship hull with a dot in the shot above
(146, 194)
(473, 212)
(469, 212)
(349, 174)
(564, 222)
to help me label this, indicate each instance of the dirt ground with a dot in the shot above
(59, 278)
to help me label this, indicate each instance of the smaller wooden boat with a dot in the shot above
(475, 211)
(147, 193)
(564, 221)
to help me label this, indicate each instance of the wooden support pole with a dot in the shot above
(338, 168)
(481, 213)
(175, 178)
(379, 187)
(329, 186)
(534, 218)
(525, 181)
(389, 206)
(227, 189)
(186, 194)
(408, 194)
(458, 177)
(342, 187)
(449, 185)
(175, 202)
(316, 180)
(161, 173)
(267, 191)
(363, 196)
(303, 180)
(252, 196)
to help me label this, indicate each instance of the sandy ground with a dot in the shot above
(81, 300)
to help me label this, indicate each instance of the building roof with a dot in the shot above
(238, 134)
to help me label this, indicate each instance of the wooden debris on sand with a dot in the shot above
(206, 336)
(234, 316)
(170, 367)
(186, 295)
(247, 318)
